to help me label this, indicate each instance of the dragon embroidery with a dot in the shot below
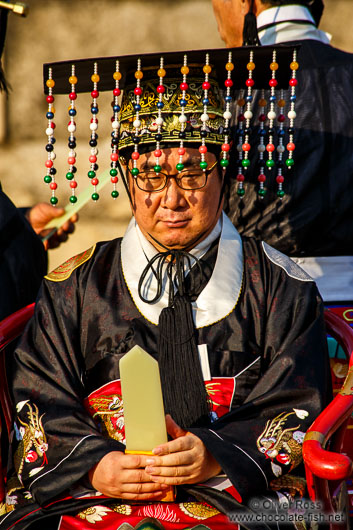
(110, 409)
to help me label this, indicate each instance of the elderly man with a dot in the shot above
(313, 222)
(236, 328)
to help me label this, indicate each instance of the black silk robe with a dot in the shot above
(270, 350)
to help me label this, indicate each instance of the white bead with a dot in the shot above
(93, 126)
(52, 156)
(248, 114)
(71, 128)
(115, 124)
(261, 148)
(227, 115)
(159, 121)
(137, 124)
(292, 114)
(182, 118)
(72, 152)
(240, 148)
(49, 131)
(271, 115)
(94, 151)
(280, 149)
(204, 117)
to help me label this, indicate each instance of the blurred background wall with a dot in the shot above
(67, 29)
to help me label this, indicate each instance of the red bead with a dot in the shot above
(50, 99)
(160, 89)
(262, 117)
(225, 147)
(261, 177)
(95, 120)
(53, 185)
(240, 178)
(94, 181)
(273, 82)
(281, 118)
(157, 153)
(184, 86)
(290, 146)
(116, 92)
(270, 148)
(206, 85)
(228, 83)
(241, 117)
(250, 82)
(202, 149)
(52, 125)
(93, 159)
(246, 147)
(73, 184)
(138, 91)
(135, 155)
(94, 93)
(279, 179)
(114, 180)
(114, 157)
(49, 163)
(293, 82)
(72, 96)
(181, 151)
(71, 160)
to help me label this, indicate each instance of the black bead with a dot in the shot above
(93, 143)
(74, 169)
(71, 139)
(247, 130)
(226, 130)
(290, 130)
(136, 140)
(52, 140)
(271, 131)
(158, 137)
(72, 145)
(52, 171)
(49, 147)
(95, 167)
(115, 141)
(182, 135)
(280, 164)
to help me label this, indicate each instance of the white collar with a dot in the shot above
(285, 29)
(226, 277)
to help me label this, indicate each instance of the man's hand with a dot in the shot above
(123, 476)
(184, 460)
(41, 214)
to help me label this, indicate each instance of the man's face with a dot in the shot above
(230, 19)
(173, 216)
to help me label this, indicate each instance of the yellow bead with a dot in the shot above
(281, 103)
(95, 78)
(161, 72)
(184, 70)
(50, 83)
(241, 102)
(72, 80)
(262, 102)
(117, 76)
(294, 65)
(274, 66)
(53, 110)
(229, 67)
(250, 66)
(207, 69)
(139, 74)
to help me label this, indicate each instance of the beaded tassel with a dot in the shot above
(159, 121)
(137, 122)
(114, 157)
(270, 147)
(182, 118)
(49, 164)
(280, 148)
(227, 113)
(94, 136)
(261, 147)
(240, 133)
(291, 115)
(70, 175)
(204, 116)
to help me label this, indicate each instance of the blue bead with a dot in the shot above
(273, 98)
(116, 108)
(94, 110)
(183, 102)
(205, 101)
(50, 115)
(160, 104)
(240, 132)
(52, 140)
(262, 132)
(293, 98)
(228, 98)
(137, 107)
(248, 98)
(280, 132)
(72, 112)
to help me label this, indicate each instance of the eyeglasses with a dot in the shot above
(188, 179)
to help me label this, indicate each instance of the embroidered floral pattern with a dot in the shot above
(94, 514)
(198, 510)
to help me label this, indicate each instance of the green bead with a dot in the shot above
(54, 200)
(280, 194)
(95, 196)
(73, 198)
(270, 163)
(203, 165)
(289, 162)
(69, 175)
(91, 174)
(245, 162)
(180, 166)
(262, 192)
(115, 194)
(135, 171)
(224, 162)
(241, 192)
(157, 168)
(113, 172)
(47, 179)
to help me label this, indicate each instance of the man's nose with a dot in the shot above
(174, 196)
